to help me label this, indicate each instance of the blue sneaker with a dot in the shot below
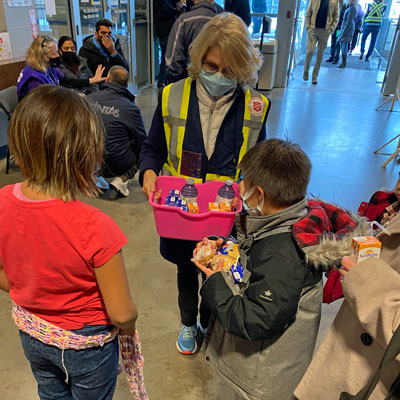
(186, 343)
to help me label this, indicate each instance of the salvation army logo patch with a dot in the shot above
(256, 106)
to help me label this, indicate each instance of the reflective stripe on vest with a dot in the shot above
(175, 105)
(375, 15)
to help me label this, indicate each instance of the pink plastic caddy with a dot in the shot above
(174, 223)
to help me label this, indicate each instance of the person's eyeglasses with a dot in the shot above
(213, 69)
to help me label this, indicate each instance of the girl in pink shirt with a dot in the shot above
(61, 259)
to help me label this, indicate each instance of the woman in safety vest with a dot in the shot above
(202, 127)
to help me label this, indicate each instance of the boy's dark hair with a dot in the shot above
(103, 22)
(280, 168)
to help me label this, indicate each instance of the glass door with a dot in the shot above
(143, 43)
(90, 12)
(298, 43)
(55, 25)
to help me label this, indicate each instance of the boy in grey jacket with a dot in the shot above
(263, 331)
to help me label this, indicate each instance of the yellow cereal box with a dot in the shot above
(364, 247)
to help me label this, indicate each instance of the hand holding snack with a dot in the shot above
(211, 256)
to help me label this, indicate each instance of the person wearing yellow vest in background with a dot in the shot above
(202, 128)
(372, 24)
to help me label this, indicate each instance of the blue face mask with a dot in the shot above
(252, 211)
(216, 83)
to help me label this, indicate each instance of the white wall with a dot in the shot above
(16, 21)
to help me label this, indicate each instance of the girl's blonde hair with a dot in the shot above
(36, 54)
(57, 139)
(229, 33)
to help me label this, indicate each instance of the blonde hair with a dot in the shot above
(57, 139)
(230, 34)
(36, 54)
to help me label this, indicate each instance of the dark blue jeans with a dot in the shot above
(92, 373)
(374, 34)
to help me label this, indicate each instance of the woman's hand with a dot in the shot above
(149, 182)
(215, 244)
(347, 264)
(98, 76)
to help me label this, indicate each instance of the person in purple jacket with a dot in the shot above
(42, 62)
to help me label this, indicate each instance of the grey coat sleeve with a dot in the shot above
(176, 53)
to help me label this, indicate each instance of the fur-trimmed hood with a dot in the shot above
(325, 233)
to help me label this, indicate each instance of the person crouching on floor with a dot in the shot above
(125, 131)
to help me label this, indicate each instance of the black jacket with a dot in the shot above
(125, 131)
(183, 33)
(83, 73)
(164, 14)
(241, 8)
(94, 57)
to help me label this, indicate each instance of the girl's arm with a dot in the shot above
(114, 287)
(4, 285)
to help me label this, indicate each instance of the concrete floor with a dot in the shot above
(335, 122)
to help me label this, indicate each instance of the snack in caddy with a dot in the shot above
(225, 207)
(193, 207)
(213, 206)
(365, 247)
(228, 252)
(221, 206)
(173, 200)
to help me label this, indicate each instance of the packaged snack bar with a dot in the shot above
(193, 207)
(213, 206)
(237, 273)
(205, 254)
(224, 207)
(365, 247)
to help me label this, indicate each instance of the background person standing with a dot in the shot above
(358, 22)
(321, 19)
(347, 30)
(372, 24)
(164, 17)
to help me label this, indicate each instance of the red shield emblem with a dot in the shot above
(257, 106)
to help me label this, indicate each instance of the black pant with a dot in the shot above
(180, 252)
(188, 296)
(355, 37)
(333, 44)
(109, 171)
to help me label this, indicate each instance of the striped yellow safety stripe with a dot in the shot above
(167, 127)
(245, 130)
(183, 115)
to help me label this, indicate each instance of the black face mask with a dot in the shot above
(54, 62)
(70, 57)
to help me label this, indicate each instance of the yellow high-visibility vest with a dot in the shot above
(175, 105)
(376, 13)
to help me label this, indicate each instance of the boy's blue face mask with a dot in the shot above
(216, 83)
